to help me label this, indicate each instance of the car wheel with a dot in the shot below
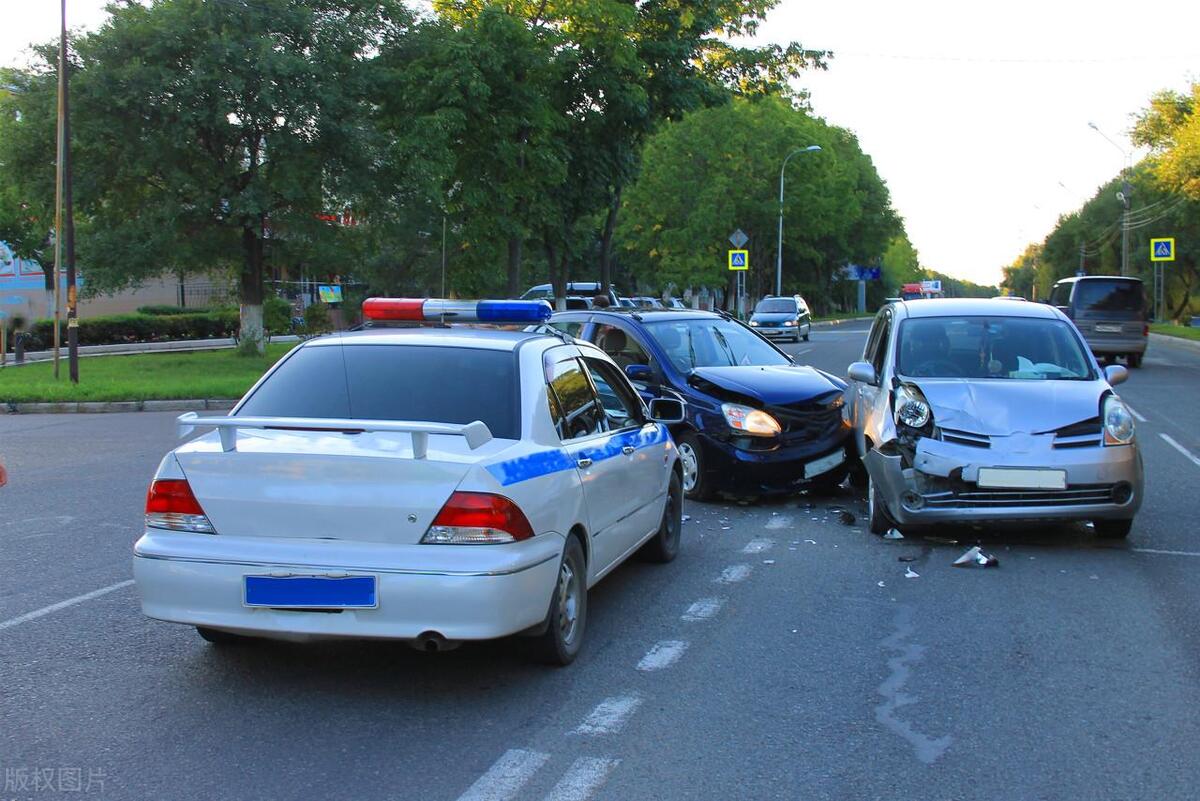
(1134, 360)
(560, 643)
(1112, 529)
(878, 521)
(218, 637)
(696, 485)
(664, 545)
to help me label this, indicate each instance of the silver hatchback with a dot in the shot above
(970, 411)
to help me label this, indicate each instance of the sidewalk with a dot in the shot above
(1164, 339)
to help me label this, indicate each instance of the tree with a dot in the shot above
(1170, 127)
(206, 132)
(717, 170)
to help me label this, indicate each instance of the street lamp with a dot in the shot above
(779, 246)
(1126, 188)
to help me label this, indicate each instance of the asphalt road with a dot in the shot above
(784, 655)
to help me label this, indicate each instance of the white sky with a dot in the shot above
(974, 113)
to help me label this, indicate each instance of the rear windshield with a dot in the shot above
(1109, 296)
(394, 382)
(776, 306)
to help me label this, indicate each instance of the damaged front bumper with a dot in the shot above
(936, 481)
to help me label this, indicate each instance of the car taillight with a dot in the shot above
(478, 518)
(170, 504)
(1145, 329)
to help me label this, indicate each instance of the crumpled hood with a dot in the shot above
(776, 385)
(1006, 406)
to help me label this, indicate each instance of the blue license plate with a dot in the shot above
(311, 592)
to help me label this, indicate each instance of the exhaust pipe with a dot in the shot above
(433, 643)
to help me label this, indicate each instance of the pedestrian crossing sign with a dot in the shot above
(739, 260)
(1162, 249)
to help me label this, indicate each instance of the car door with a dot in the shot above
(643, 454)
(584, 430)
(631, 350)
(870, 398)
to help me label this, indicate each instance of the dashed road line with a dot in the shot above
(1191, 457)
(1137, 416)
(506, 777)
(704, 609)
(734, 574)
(609, 715)
(78, 599)
(758, 546)
(1165, 553)
(662, 655)
(585, 776)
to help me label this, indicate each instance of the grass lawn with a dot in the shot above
(144, 376)
(1182, 331)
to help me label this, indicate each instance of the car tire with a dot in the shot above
(1113, 529)
(878, 521)
(1134, 360)
(218, 637)
(664, 545)
(697, 486)
(567, 618)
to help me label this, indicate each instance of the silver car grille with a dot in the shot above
(1085, 434)
(1000, 498)
(966, 438)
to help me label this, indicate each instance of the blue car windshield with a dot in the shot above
(991, 347)
(712, 342)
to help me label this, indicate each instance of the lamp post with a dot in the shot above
(1126, 188)
(779, 245)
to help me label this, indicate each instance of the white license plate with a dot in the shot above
(1103, 328)
(1021, 478)
(824, 464)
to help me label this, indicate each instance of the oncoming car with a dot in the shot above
(782, 318)
(426, 484)
(973, 411)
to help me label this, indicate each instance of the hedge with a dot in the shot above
(120, 328)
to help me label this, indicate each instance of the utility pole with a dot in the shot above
(58, 190)
(779, 244)
(68, 211)
(1082, 271)
(1126, 190)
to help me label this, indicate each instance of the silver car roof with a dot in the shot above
(975, 307)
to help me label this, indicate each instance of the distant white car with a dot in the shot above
(425, 484)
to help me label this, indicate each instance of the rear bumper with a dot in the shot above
(1117, 345)
(1102, 484)
(493, 591)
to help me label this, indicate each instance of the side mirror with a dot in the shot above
(639, 372)
(1115, 374)
(862, 373)
(666, 410)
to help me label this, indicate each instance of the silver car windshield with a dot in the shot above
(1023, 348)
(712, 343)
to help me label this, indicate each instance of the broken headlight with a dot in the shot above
(912, 409)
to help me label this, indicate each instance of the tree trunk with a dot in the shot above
(514, 267)
(252, 340)
(606, 240)
(558, 278)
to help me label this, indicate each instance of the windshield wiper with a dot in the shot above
(725, 345)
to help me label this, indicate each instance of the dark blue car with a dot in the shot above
(756, 422)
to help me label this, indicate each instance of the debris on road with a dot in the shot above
(893, 534)
(811, 542)
(687, 518)
(910, 573)
(907, 558)
(768, 561)
(976, 558)
(846, 518)
(879, 584)
(942, 540)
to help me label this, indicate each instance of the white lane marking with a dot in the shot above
(704, 609)
(758, 546)
(782, 521)
(78, 599)
(583, 779)
(662, 655)
(1194, 459)
(1165, 553)
(609, 715)
(506, 777)
(733, 574)
(802, 352)
(1133, 411)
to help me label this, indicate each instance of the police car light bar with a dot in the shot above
(459, 311)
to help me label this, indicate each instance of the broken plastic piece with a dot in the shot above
(908, 558)
(687, 518)
(893, 534)
(942, 540)
(879, 584)
(846, 518)
(976, 558)
(910, 573)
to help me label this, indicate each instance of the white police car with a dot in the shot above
(426, 484)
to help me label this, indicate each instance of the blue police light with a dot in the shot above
(461, 311)
(513, 311)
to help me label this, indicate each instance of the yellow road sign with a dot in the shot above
(739, 260)
(1162, 249)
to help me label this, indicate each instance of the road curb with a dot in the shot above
(839, 322)
(112, 407)
(1164, 339)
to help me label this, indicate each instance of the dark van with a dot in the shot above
(1110, 312)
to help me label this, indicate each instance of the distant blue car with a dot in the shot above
(755, 422)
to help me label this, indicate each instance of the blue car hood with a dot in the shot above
(777, 385)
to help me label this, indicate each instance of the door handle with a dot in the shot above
(628, 449)
(584, 463)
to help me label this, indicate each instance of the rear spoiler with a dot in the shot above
(476, 433)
